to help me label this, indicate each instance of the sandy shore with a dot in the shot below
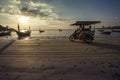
(60, 60)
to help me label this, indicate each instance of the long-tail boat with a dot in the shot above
(23, 33)
(4, 31)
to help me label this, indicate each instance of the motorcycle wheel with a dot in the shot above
(88, 39)
(72, 38)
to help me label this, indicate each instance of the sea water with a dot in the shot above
(56, 34)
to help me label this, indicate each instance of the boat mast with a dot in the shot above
(18, 27)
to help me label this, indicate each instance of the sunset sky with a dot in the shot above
(47, 14)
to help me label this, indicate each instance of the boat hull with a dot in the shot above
(23, 34)
(105, 32)
(117, 30)
(5, 33)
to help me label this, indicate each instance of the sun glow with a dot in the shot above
(23, 19)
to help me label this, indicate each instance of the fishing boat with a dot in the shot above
(105, 31)
(5, 33)
(60, 30)
(41, 31)
(115, 30)
(23, 33)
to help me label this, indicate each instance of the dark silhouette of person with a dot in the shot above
(79, 31)
(90, 28)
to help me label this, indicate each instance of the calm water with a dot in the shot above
(56, 34)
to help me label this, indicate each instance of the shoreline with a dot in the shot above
(59, 35)
(51, 38)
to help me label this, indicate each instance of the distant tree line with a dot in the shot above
(110, 27)
(114, 27)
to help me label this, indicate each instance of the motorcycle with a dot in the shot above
(87, 36)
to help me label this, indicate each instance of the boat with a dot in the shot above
(60, 30)
(105, 31)
(5, 33)
(23, 33)
(41, 31)
(101, 30)
(115, 30)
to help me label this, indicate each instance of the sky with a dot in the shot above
(54, 14)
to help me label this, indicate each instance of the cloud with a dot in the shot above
(39, 13)
(27, 8)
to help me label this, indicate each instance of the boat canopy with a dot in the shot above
(85, 23)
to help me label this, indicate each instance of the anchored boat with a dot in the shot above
(23, 33)
(4, 31)
(105, 31)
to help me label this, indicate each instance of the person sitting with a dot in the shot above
(90, 28)
(87, 29)
(79, 31)
(82, 28)
(76, 32)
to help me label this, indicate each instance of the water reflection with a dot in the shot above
(56, 34)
